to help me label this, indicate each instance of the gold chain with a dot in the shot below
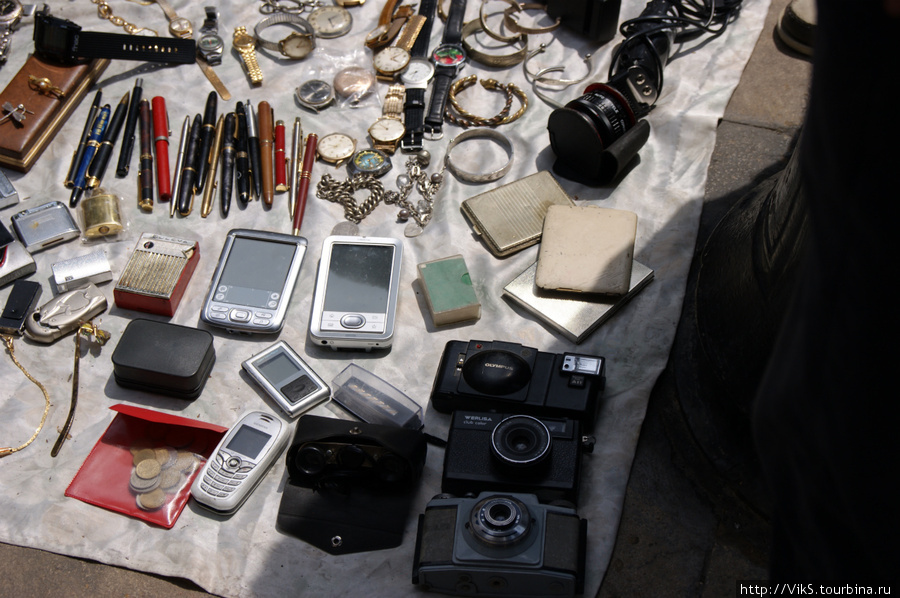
(104, 11)
(8, 340)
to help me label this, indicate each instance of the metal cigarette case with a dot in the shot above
(45, 226)
(15, 263)
(8, 194)
(157, 274)
(80, 271)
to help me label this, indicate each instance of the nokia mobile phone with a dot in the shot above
(253, 281)
(240, 462)
(287, 379)
(356, 293)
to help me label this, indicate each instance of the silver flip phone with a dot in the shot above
(356, 293)
(253, 282)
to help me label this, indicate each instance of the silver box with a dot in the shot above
(81, 271)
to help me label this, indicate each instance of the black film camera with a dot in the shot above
(498, 545)
(514, 453)
(482, 375)
(338, 453)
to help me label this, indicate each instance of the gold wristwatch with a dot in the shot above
(245, 44)
(387, 131)
(391, 61)
(178, 26)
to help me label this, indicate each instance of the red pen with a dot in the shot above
(161, 143)
(309, 157)
(280, 158)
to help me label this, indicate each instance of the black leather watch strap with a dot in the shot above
(131, 47)
(427, 9)
(414, 110)
(440, 89)
(453, 27)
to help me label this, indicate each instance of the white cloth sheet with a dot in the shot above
(245, 555)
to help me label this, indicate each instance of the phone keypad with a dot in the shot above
(224, 475)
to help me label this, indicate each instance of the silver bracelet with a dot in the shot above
(479, 133)
(551, 83)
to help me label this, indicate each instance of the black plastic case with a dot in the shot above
(164, 358)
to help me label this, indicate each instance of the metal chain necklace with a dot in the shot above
(105, 11)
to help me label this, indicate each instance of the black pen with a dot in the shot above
(104, 152)
(85, 135)
(189, 172)
(130, 125)
(179, 165)
(207, 133)
(253, 149)
(145, 174)
(241, 157)
(227, 180)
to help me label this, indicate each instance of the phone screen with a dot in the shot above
(359, 278)
(248, 442)
(255, 270)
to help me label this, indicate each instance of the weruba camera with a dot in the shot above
(514, 453)
(327, 452)
(481, 375)
(500, 545)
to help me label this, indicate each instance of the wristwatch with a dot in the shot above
(389, 24)
(387, 131)
(315, 94)
(369, 161)
(245, 44)
(336, 148)
(178, 26)
(295, 46)
(415, 78)
(210, 44)
(391, 61)
(330, 21)
(449, 58)
(11, 13)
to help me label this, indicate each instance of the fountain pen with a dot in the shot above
(241, 157)
(104, 152)
(207, 134)
(253, 150)
(90, 149)
(189, 171)
(227, 181)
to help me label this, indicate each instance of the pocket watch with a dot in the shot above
(330, 21)
(354, 83)
(336, 148)
(315, 94)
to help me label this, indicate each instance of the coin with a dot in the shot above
(151, 500)
(143, 455)
(185, 461)
(166, 456)
(140, 485)
(170, 478)
(147, 469)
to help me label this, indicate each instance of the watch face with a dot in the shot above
(370, 161)
(315, 94)
(419, 72)
(354, 83)
(244, 41)
(391, 60)
(210, 43)
(9, 10)
(448, 55)
(330, 21)
(297, 45)
(387, 130)
(336, 147)
(181, 27)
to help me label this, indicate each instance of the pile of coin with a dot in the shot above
(159, 473)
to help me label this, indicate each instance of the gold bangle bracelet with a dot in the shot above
(502, 60)
(466, 119)
(513, 23)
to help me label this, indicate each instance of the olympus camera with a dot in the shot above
(499, 545)
(514, 453)
(482, 375)
(327, 452)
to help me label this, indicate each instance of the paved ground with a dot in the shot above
(686, 530)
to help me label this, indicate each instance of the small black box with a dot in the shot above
(164, 358)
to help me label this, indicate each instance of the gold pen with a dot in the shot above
(266, 138)
(295, 161)
(206, 205)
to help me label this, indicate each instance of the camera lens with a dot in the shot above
(311, 459)
(392, 468)
(521, 441)
(499, 520)
(351, 457)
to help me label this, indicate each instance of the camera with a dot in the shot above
(337, 453)
(498, 545)
(481, 375)
(514, 453)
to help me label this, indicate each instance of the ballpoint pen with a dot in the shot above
(97, 130)
(213, 160)
(266, 139)
(179, 163)
(130, 124)
(309, 158)
(206, 139)
(227, 181)
(145, 174)
(101, 159)
(161, 144)
(280, 159)
(253, 150)
(186, 187)
(85, 135)
(241, 156)
(296, 157)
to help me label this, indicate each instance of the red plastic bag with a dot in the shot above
(144, 464)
